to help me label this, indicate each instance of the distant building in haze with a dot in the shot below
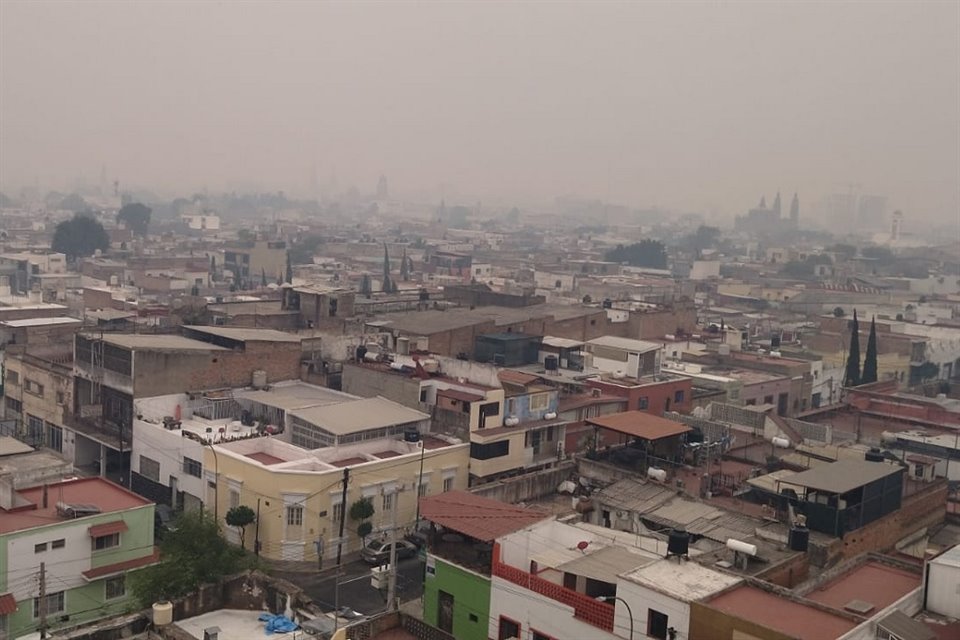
(766, 220)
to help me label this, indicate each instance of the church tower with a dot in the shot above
(795, 212)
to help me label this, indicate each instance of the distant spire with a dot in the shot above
(795, 210)
(763, 202)
(776, 204)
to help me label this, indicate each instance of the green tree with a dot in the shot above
(80, 236)
(193, 553)
(646, 253)
(239, 517)
(870, 358)
(838, 312)
(703, 238)
(263, 277)
(136, 217)
(852, 376)
(882, 255)
(366, 287)
(288, 276)
(926, 371)
(387, 285)
(73, 202)
(361, 511)
(404, 267)
(245, 235)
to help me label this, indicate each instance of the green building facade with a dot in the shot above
(456, 600)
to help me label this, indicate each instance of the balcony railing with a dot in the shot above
(591, 611)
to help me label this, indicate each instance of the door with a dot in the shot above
(445, 611)
(782, 404)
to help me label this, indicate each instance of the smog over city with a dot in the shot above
(470, 319)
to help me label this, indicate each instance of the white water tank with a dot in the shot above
(781, 442)
(551, 415)
(741, 546)
(162, 613)
(511, 421)
(259, 379)
(430, 365)
(660, 475)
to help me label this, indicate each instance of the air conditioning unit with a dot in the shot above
(595, 392)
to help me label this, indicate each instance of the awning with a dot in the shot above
(121, 567)
(107, 528)
(8, 604)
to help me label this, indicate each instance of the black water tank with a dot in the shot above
(873, 455)
(799, 538)
(411, 435)
(678, 543)
(550, 363)
(361, 352)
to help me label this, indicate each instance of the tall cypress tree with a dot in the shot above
(852, 377)
(387, 285)
(870, 359)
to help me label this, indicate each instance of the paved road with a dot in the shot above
(355, 588)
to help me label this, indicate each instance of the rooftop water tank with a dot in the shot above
(678, 542)
(162, 613)
(259, 379)
(660, 475)
(799, 538)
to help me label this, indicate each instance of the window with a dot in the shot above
(54, 437)
(51, 604)
(536, 635)
(35, 428)
(115, 587)
(192, 467)
(150, 468)
(14, 405)
(539, 401)
(423, 489)
(918, 471)
(40, 548)
(678, 396)
(767, 399)
(336, 514)
(643, 403)
(106, 542)
(423, 395)
(59, 397)
(487, 451)
(33, 387)
(234, 498)
(508, 629)
(388, 502)
(13, 377)
(448, 484)
(656, 624)
(295, 515)
(58, 544)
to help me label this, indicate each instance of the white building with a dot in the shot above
(942, 578)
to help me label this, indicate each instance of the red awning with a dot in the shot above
(121, 567)
(107, 528)
(8, 604)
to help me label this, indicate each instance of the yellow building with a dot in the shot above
(285, 452)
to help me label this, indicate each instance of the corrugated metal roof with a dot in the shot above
(640, 424)
(906, 628)
(843, 476)
(606, 564)
(344, 418)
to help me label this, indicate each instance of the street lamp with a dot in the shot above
(611, 599)
(216, 480)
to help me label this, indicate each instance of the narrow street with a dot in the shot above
(355, 590)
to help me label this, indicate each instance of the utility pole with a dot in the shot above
(392, 583)
(343, 513)
(43, 600)
(256, 534)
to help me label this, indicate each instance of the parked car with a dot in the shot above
(378, 552)
(164, 518)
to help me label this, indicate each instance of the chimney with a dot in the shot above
(44, 496)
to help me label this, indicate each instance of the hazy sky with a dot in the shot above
(701, 106)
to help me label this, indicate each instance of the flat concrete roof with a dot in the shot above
(873, 582)
(151, 342)
(842, 476)
(246, 335)
(795, 619)
(605, 564)
(10, 446)
(295, 396)
(683, 580)
(344, 418)
(39, 322)
(626, 344)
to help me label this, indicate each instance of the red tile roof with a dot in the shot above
(120, 567)
(639, 425)
(8, 604)
(477, 517)
(107, 528)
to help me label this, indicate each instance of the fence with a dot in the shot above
(528, 486)
(811, 431)
(736, 415)
(599, 614)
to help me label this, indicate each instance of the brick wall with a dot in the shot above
(788, 573)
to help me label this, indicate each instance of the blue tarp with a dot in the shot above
(277, 624)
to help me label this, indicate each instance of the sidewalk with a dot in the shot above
(309, 567)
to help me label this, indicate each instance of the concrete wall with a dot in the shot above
(535, 612)
(367, 382)
(641, 600)
(527, 487)
(706, 622)
(471, 595)
(942, 580)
